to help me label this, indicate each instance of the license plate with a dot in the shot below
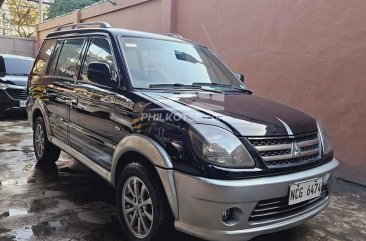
(22, 103)
(303, 191)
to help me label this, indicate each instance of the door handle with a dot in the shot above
(73, 102)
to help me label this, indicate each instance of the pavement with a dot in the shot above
(66, 201)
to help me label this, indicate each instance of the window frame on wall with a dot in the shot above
(85, 55)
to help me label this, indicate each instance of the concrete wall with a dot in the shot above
(310, 54)
(17, 46)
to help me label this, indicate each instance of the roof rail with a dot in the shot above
(174, 35)
(81, 25)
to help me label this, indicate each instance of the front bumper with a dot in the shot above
(202, 201)
(10, 99)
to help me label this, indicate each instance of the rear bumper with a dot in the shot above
(202, 201)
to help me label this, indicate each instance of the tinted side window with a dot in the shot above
(56, 53)
(99, 51)
(69, 57)
(43, 57)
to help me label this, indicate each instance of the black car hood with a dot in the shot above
(249, 115)
(15, 79)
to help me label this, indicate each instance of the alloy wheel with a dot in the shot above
(137, 207)
(39, 140)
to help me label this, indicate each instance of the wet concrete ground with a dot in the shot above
(68, 202)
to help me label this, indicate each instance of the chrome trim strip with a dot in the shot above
(311, 205)
(285, 208)
(308, 143)
(321, 138)
(259, 211)
(309, 153)
(16, 87)
(277, 158)
(289, 156)
(83, 159)
(273, 147)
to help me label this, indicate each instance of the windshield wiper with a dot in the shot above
(210, 84)
(182, 86)
(174, 85)
(199, 86)
(222, 85)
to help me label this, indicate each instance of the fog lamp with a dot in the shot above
(227, 215)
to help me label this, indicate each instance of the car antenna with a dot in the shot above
(208, 36)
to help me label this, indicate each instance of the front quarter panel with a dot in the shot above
(156, 155)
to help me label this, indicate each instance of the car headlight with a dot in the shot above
(326, 146)
(3, 86)
(219, 147)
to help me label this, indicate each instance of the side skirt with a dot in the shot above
(105, 174)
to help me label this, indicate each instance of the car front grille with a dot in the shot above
(288, 151)
(277, 208)
(17, 94)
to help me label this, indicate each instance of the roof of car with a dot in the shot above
(11, 56)
(119, 32)
(140, 34)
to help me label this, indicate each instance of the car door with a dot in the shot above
(62, 73)
(92, 109)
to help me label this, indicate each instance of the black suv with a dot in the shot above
(182, 139)
(14, 71)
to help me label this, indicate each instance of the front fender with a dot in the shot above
(156, 155)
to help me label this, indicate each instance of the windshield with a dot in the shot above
(16, 66)
(164, 64)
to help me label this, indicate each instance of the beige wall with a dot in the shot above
(143, 15)
(17, 46)
(308, 54)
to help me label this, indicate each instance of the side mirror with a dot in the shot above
(100, 73)
(240, 77)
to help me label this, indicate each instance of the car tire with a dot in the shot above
(145, 216)
(45, 151)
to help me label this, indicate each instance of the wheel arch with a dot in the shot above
(39, 110)
(154, 156)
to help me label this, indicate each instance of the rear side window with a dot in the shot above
(43, 57)
(56, 52)
(69, 58)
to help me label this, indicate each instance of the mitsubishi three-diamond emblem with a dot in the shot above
(295, 150)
